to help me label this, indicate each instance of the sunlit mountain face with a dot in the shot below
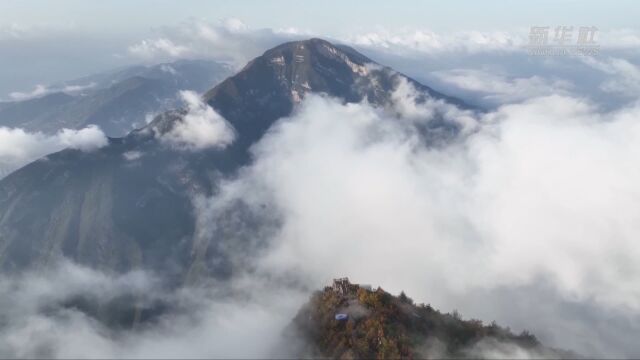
(366, 183)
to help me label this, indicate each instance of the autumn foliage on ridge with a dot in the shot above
(382, 326)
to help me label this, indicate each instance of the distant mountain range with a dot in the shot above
(129, 204)
(118, 101)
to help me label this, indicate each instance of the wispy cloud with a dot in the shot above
(39, 90)
(42, 90)
(228, 40)
(41, 317)
(158, 48)
(424, 40)
(200, 128)
(623, 76)
(497, 89)
(19, 147)
(18, 31)
(427, 41)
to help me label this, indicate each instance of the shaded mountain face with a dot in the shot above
(129, 205)
(350, 321)
(116, 101)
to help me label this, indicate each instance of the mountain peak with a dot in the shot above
(299, 67)
(312, 51)
(269, 86)
(318, 47)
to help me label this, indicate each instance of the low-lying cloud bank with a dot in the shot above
(42, 317)
(229, 40)
(542, 195)
(235, 40)
(496, 89)
(19, 147)
(41, 90)
(537, 184)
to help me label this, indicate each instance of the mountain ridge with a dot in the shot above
(352, 321)
(117, 101)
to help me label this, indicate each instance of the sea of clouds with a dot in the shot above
(529, 217)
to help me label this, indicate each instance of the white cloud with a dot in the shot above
(543, 191)
(78, 87)
(200, 128)
(39, 90)
(132, 155)
(541, 182)
(410, 104)
(427, 41)
(87, 139)
(19, 147)
(228, 40)
(423, 40)
(242, 321)
(619, 39)
(235, 41)
(234, 25)
(158, 48)
(623, 76)
(17, 31)
(406, 102)
(498, 89)
(43, 317)
(168, 69)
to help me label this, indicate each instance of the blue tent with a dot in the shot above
(342, 317)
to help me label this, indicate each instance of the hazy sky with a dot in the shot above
(332, 16)
(43, 41)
